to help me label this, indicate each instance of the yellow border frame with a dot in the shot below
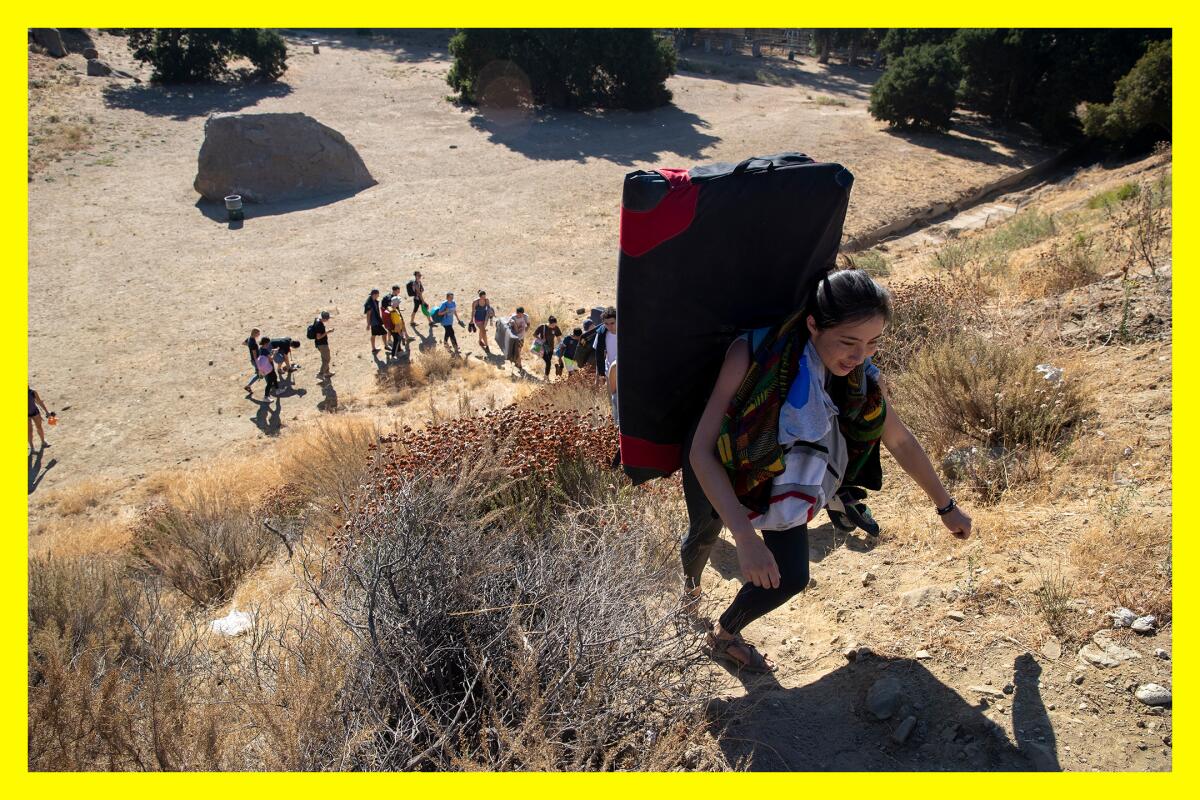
(14, 282)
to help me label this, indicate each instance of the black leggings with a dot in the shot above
(547, 356)
(448, 336)
(790, 549)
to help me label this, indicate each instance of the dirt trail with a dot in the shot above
(526, 210)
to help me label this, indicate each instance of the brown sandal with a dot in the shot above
(718, 649)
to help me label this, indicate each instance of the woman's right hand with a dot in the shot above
(756, 560)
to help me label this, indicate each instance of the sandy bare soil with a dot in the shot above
(525, 209)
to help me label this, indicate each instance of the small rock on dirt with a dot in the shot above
(987, 690)
(1103, 652)
(1153, 695)
(1144, 624)
(1052, 648)
(868, 578)
(957, 616)
(904, 729)
(922, 654)
(1160, 653)
(90, 52)
(921, 596)
(1122, 617)
(884, 697)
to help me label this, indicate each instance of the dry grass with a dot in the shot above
(73, 538)
(1131, 567)
(206, 534)
(329, 460)
(82, 496)
(1064, 267)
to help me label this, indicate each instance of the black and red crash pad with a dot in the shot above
(706, 254)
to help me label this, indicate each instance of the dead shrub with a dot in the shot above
(204, 537)
(978, 391)
(484, 643)
(329, 460)
(82, 496)
(924, 311)
(77, 599)
(1064, 267)
(125, 700)
(1132, 569)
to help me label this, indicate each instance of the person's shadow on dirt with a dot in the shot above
(36, 472)
(825, 725)
(329, 398)
(287, 388)
(267, 418)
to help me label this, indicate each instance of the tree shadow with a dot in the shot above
(37, 472)
(627, 138)
(217, 213)
(184, 102)
(825, 725)
(971, 138)
(835, 79)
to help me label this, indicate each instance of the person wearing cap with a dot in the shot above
(391, 297)
(322, 329)
(548, 333)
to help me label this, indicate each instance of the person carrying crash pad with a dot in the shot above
(796, 412)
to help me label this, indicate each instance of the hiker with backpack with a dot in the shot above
(446, 315)
(416, 290)
(374, 317)
(566, 352)
(318, 331)
(796, 412)
(543, 342)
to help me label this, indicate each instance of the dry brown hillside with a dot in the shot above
(491, 615)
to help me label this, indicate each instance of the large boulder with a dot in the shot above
(267, 158)
(50, 39)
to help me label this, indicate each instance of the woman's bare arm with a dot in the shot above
(757, 563)
(909, 454)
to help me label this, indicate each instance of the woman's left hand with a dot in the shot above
(958, 523)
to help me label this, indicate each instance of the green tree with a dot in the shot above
(917, 90)
(566, 67)
(1141, 101)
(193, 55)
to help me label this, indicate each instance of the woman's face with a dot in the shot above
(843, 347)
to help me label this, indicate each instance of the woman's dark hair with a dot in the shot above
(848, 295)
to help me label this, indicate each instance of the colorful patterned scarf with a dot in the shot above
(748, 441)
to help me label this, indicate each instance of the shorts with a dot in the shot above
(416, 304)
(280, 356)
(378, 330)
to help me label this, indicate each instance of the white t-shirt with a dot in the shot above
(610, 349)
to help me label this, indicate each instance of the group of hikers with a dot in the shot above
(271, 359)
